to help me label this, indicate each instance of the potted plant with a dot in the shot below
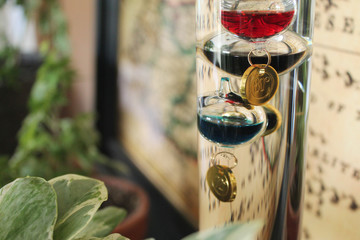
(49, 144)
(67, 208)
(63, 208)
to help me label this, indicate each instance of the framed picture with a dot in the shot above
(157, 96)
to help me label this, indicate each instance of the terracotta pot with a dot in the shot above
(127, 195)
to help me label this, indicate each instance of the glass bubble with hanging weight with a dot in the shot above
(224, 118)
(257, 19)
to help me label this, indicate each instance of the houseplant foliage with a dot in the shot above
(50, 145)
(8, 56)
(63, 208)
(233, 231)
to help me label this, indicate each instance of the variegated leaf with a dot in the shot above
(114, 236)
(28, 209)
(103, 222)
(245, 231)
(78, 199)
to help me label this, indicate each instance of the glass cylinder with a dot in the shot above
(253, 79)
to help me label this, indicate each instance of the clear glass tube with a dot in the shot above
(266, 138)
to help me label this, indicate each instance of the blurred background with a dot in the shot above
(108, 87)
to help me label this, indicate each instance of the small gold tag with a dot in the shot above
(222, 183)
(273, 119)
(259, 84)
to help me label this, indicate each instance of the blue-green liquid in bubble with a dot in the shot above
(227, 130)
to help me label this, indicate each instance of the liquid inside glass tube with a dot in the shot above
(256, 24)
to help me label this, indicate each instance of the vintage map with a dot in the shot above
(332, 195)
(158, 109)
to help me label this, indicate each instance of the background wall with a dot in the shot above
(82, 26)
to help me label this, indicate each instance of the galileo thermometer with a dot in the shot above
(253, 78)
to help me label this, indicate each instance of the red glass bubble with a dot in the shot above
(256, 24)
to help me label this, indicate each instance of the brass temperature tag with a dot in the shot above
(273, 119)
(222, 182)
(259, 84)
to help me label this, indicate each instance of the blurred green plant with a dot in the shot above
(8, 63)
(232, 231)
(52, 27)
(63, 208)
(50, 145)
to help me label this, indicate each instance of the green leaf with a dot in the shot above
(245, 231)
(8, 62)
(5, 175)
(53, 80)
(114, 236)
(78, 199)
(28, 209)
(30, 128)
(103, 222)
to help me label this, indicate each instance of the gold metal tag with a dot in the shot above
(273, 119)
(222, 182)
(259, 84)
